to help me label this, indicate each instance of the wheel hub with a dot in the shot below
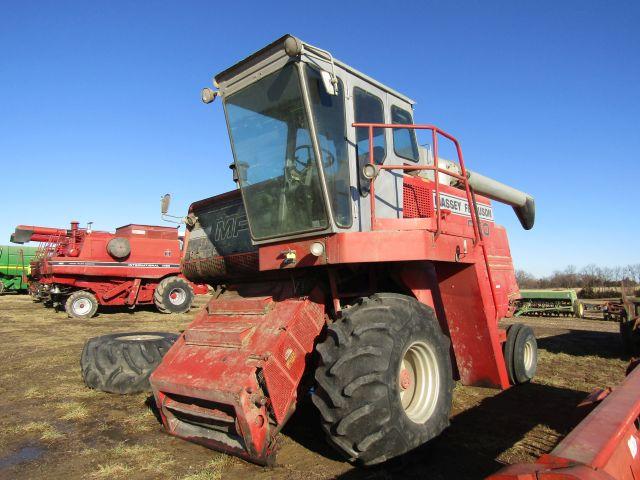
(419, 382)
(81, 306)
(528, 355)
(177, 296)
(405, 379)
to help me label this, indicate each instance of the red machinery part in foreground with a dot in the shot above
(215, 361)
(604, 446)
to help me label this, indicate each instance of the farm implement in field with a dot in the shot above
(83, 269)
(15, 267)
(549, 303)
(351, 262)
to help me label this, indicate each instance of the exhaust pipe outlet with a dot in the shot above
(523, 204)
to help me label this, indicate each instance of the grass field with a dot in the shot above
(52, 427)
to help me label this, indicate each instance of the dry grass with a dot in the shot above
(90, 434)
(212, 471)
(41, 430)
(72, 411)
(111, 470)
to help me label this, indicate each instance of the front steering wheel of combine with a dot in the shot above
(173, 295)
(384, 385)
(81, 304)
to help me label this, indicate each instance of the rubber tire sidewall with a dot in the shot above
(113, 365)
(403, 323)
(163, 291)
(521, 374)
(509, 347)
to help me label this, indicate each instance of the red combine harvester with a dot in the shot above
(349, 240)
(82, 269)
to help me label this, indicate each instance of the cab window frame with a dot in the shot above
(412, 134)
(359, 91)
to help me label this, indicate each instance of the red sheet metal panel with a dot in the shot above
(243, 356)
(605, 445)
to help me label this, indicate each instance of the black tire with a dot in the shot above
(358, 391)
(81, 304)
(521, 353)
(630, 337)
(122, 362)
(170, 289)
(512, 333)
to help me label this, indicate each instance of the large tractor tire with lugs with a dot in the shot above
(384, 384)
(173, 295)
(122, 362)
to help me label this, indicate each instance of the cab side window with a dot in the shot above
(405, 144)
(369, 109)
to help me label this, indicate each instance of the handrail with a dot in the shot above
(435, 131)
(435, 167)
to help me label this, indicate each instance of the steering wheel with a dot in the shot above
(328, 158)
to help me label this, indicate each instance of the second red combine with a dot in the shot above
(83, 269)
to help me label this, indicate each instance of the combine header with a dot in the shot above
(604, 446)
(348, 239)
(15, 267)
(82, 269)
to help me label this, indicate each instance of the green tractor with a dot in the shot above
(15, 267)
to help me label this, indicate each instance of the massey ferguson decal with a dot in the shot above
(459, 206)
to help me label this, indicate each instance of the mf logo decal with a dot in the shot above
(230, 226)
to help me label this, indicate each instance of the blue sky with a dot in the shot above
(100, 111)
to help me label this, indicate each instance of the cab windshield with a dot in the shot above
(274, 157)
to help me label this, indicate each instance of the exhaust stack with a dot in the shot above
(523, 204)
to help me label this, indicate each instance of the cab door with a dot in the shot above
(370, 105)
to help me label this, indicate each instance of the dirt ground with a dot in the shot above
(52, 427)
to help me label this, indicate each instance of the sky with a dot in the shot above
(100, 110)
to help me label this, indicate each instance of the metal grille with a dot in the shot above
(279, 387)
(206, 269)
(305, 330)
(417, 199)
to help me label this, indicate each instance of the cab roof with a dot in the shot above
(278, 45)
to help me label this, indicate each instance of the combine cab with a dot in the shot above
(351, 263)
(83, 269)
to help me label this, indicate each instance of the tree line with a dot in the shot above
(592, 280)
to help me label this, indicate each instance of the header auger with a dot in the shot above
(346, 238)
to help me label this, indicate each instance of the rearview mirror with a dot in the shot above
(330, 83)
(165, 201)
